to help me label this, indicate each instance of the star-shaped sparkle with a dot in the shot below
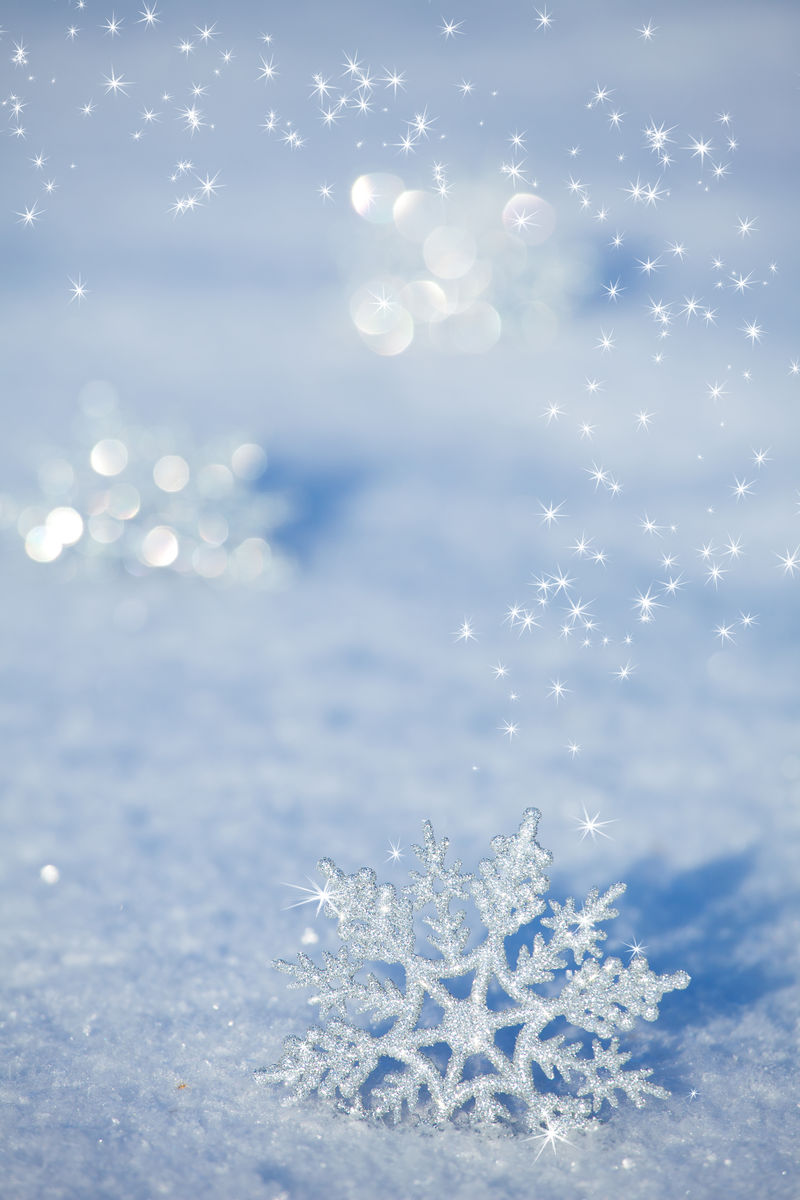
(592, 826)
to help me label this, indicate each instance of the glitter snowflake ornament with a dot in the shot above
(486, 1030)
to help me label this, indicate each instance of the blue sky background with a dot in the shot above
(181, 750)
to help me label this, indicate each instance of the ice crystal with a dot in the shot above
(488, 1028)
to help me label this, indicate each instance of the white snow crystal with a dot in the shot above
(490, 1030)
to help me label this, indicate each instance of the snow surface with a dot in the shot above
(180, 753)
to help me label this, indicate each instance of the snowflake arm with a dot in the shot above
(604, 998)
(449, 934)
(610, 1061)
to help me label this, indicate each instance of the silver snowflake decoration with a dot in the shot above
(484, 1028)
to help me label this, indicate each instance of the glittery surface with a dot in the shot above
(461, 1062)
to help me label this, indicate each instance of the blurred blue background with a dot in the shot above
(181, 748)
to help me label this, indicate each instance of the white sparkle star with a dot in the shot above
(267, 70)
(557, 690)
(209, 186)
(790, 561)
(753, 331)
(112, 26)
(741, 488)
(450, 29)
(650, 527)
(552, 1134)
(553, 412)
(551, 513)
(320, 896)
(649, 265)
(394, 80)
(733, 547)
(673, 585)
(592, 826)
(560, 581)
(30, 216)
(645, 603)
(116, 83)
(715, 574)
(465, 632)
(79, 289)
(149, 16)
(700, 148)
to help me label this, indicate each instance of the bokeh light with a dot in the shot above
(105, 530)
(213, 529)
(160, 547)
(210, 562)
(473, 331)
(416, 214)
(109, 457)
(373, 196)
(249, 461)
(449, 252)
(251, 559)
(214, 481)
(165, 510)
(484, 277)
(123, 501)
(67, 525)
(42, 544)
(383, 322)
(425, 300)
(529, 218)
(171, 473)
